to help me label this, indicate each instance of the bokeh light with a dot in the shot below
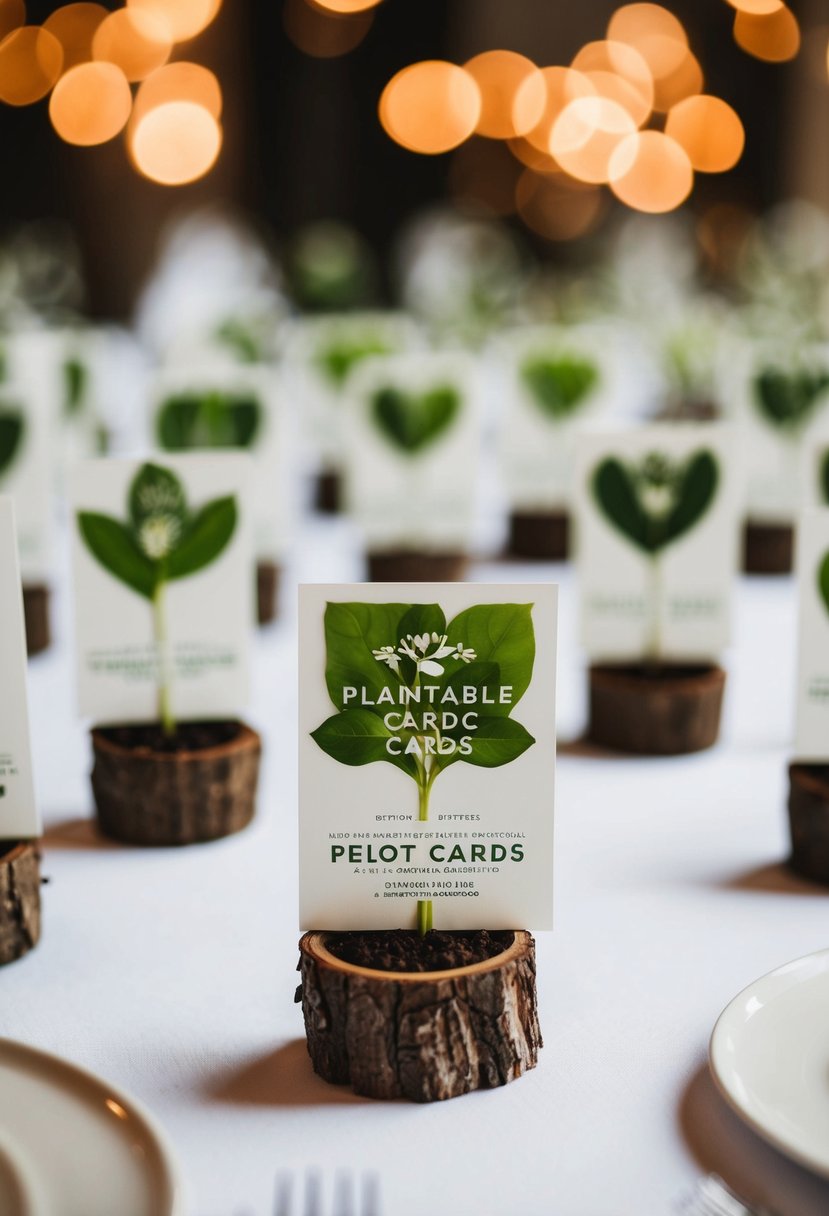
(619, 73)
(499, 76)
(774, 38)
(179, 81)
(586, 135)
(685, 81)
(30, 62)
(322, 33)
(74, 26)
(556, 206)
(12, 16)
(483, 176)
(175, 143)
(345, 7)
(650, 172)
(90, 104)
(655, 33)
(757, 8)
(134, 41)
(709, 130)
(562, 85)
(180, 19)
(430, 107)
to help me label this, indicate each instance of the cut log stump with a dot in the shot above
(36, 616)
(655, 710)
(809, 820)
(540, 535)
(425, 1036)
(768, 548)
(267, 591)
(19, 899)
(405, 567)
(149, 797)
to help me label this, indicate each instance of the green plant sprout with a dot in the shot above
(412, 422)
(162, 541)
(559, 384)
(335, 360)
(208, 420)
(397, 675)
(788, 400)
(653, 503)
(12, 432)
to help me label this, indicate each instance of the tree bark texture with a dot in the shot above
(658, 711)
(19, 900)
(406, 567)
(809, 820)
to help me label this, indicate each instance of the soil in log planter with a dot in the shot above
(267, 591)
(36, 616)
(194, 785)
(409, 567)
(655, 710)
(19, 899)
(809, 820)
(395, 1015)
(539, 535)
(768, 548)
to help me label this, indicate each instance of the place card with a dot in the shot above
(426, 755)
(226, 405)
(163, 587)
(19, 819)
(657, 517)
(412, 442)
(812, 729)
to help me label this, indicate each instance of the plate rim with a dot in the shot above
(134, 1105)
(718, 1072)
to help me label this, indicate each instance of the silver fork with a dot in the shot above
(711, 1197)
(347, 1196)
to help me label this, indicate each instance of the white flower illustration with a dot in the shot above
(159, 535)
(386, 654)
(425, 650)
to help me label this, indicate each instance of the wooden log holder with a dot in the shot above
(424, 1036)
(768, 548)
(416, 567)
(146, 796)
(19, 899)
(539, 535)
(267, 591)
(655, 710)
(809, 820)
(328, 493)
(36, 617)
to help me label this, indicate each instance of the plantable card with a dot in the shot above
(553, 380)
(234, 406)
(19, 818)
(412, 442)
(163, 587)
(812, 731)
(27, 419)
(657, 542)
(427, 755)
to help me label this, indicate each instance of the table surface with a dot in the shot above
(171, 973)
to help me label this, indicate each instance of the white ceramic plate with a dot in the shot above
(71, 1145)
(770, 1058)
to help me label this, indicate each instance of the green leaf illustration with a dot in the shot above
(559, 385)
(337, 360)
(497, 741)
(241, 339)
(412, 422)
(352, 632)
(113, 545)
(204, 538)
(502, 634)
(357, 737)
(823, 581)
(656, 501)
(210, 420)
(75, 380)
(154, 492)
(12, 429)
(788, 399)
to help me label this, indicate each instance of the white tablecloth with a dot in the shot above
(171, 973)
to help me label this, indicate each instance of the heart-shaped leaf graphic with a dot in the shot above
(210, 420)
(412, 422)
(12, 427)
(559, 385)
(657, 501)
(788, 399)
(337, 360)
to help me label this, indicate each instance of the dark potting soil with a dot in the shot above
(188, 736)
(406, 950)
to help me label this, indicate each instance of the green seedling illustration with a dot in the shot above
(412, 422)
(559, 384)
(208, 420)
(162, 540)
(653, 503)
(422, 694)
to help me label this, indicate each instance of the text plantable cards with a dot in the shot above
(553, 380)
(163, 590)
(19, 818)
(658, 541)
(781, 400)
(27, 421)
(427, 753)
(412, 442)
(812, 733)
(222, 405)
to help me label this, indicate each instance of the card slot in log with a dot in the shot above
(655, 710)
(19, 899)
(424, 1036)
